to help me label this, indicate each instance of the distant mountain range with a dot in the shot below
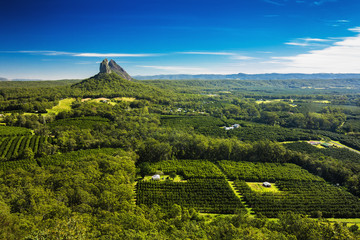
(243, 76)
(239, 76)
(20, 79)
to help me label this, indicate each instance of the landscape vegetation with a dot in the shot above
(77, 159)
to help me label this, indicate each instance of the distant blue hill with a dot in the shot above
(243, 76)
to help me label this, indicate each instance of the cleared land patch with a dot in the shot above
(64, 105)
(258, 187)
(125, 99)
(166, 178)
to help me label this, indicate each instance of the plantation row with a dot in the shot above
(205, 195)
(271, 172)
(13, 147)
(310, 198)
(250, 131)
(13, 131)
(204, 125)
(347, 140)
(189, 168)
(338, 153)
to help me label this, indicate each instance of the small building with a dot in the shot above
(156, 177)
(236, 125)
(266, 184)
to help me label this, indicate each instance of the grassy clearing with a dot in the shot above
(323, 101)
(164, 178)
(100, 99)
(275, 100)
(350, 221)
(125, 99)
(249, 210)
(258, 187)
(64, 105)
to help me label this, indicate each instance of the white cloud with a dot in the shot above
(234, 56)
(355, 29)
(274, 2)
(298, 44)
(342, 56)
(342, 21)
(308, 42)
(47, 53)
(315, 40)
(112, 55)
(209, 53)
(61, 53)
(311, 3)
(240, 57)
(320, 2)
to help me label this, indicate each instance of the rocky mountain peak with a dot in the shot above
(104, 66)
(112, 66)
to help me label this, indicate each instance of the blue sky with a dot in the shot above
(43, 39)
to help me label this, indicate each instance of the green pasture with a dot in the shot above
(64, 105)
(163, 178)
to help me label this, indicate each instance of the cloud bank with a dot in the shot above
(342, 56)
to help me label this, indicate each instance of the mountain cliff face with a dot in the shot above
(113, 67)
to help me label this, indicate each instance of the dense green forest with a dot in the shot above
(77, 159)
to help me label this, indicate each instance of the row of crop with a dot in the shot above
(348, 140)
(205, 195)
(305, 197)
(24, 164)
(189, 168)
(338, 153)
(11, 151)
(255, 172)
(13, 131)
(13, 147)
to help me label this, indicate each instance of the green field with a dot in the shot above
(64, 105)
